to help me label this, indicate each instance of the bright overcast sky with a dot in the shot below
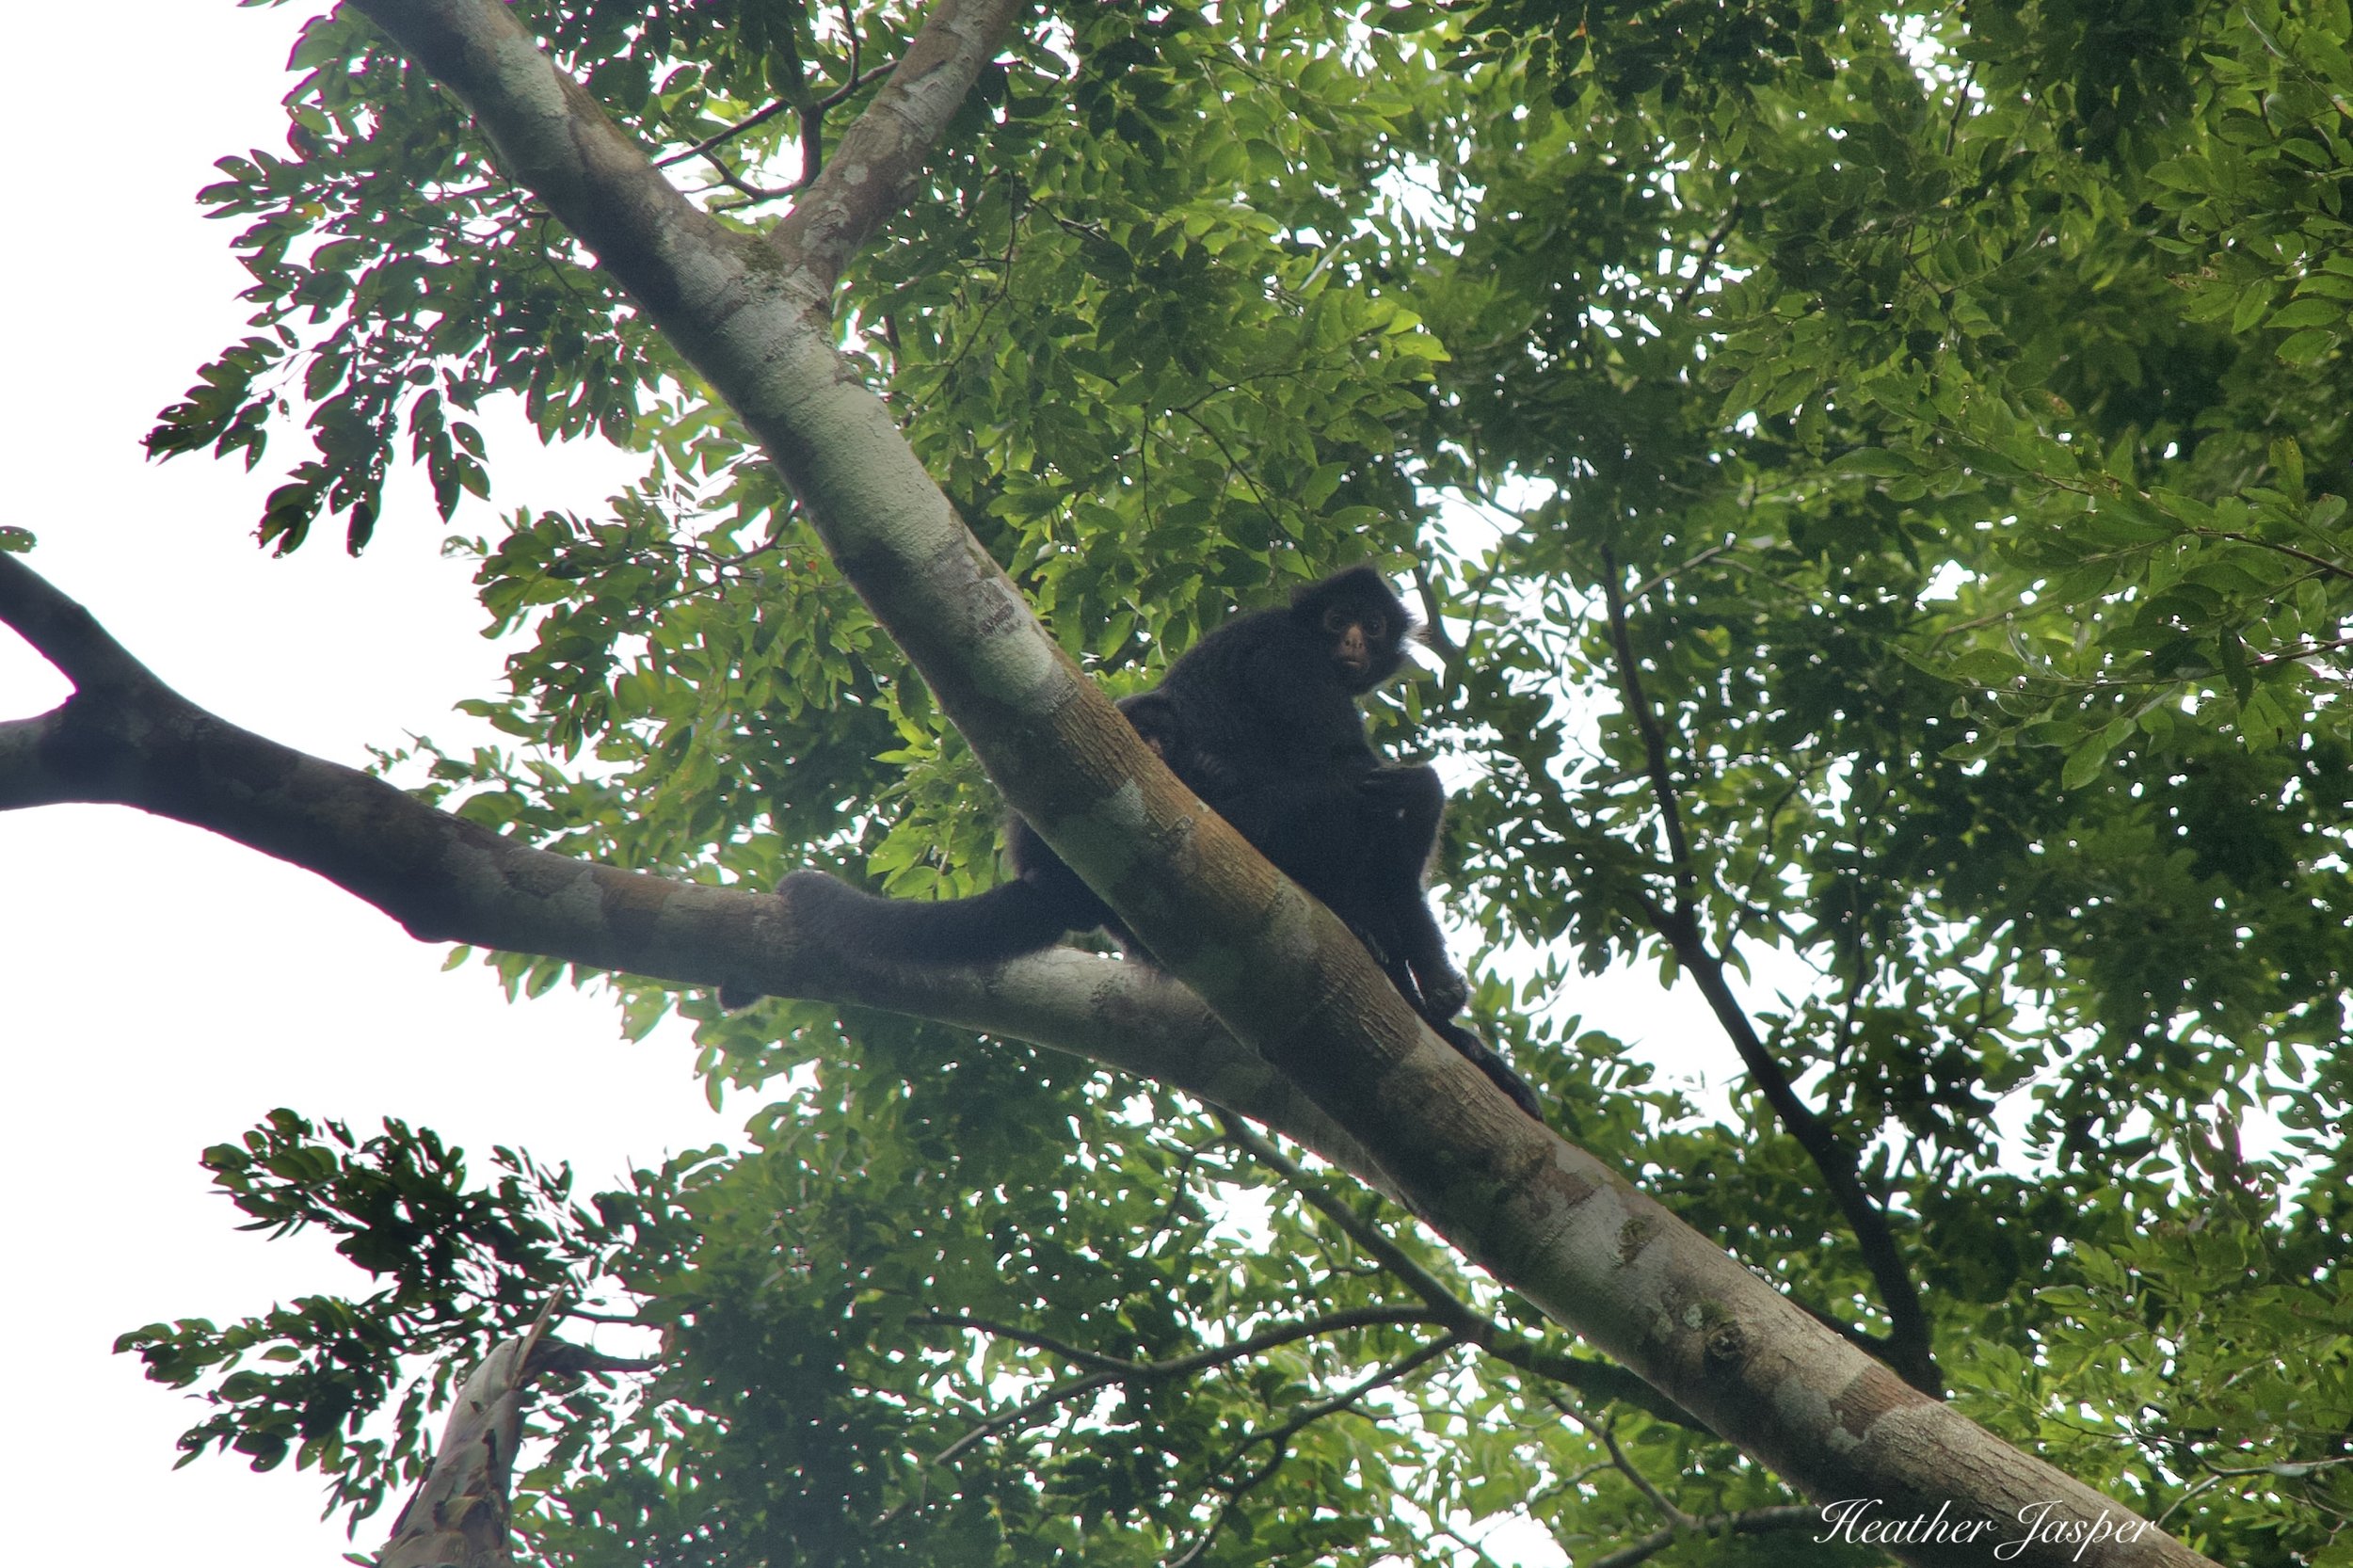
(160, 990)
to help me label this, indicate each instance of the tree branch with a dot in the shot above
(1596, 1379)
(1199, 1361)
(125, 738)
(1654, 744)
(1910, 1346)
(1280, 1434)
(1104, 1370)
(1754, 1521)
(458, 1513)
(1708, 257)
(752, 318)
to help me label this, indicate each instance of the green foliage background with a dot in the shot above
(1954, 398)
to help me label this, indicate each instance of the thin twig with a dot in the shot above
(1674, 1516)
(1451, 1307)
(748, 122)
(839, 96)
(1708, 257)
(1961, 105)
(2278, 1471)
(1592, 1377)
(729, 178)
(1755, 1521)
(2334, 569)
(1281, 1434)
(1216, 1355)
(1909, 1346)
(1654, 744)
(1644, 588)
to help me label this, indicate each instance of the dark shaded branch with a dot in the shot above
(1652, 583)
(1316, 1410)
(721, 138)
(729, 178)
(68, 635)
(561, 1358)
(1707, 256)
(1654, 744)
(1961, 105)
(2332, 569)
(1109, 1370)
(1597, 1379)
(2291, 655)
(1754, 1521)
(1199, 1361)
(1680, 1526)
(125, 738)
(1433, 624)
(2293, 1469)
(1601, 1429)
(1291, 1426)
(1019, 1416)
(1910, 1346)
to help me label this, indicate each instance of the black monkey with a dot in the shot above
(1260, 721)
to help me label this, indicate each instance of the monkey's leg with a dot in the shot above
(1498, 1071)
(1422, 946)
(1400, 810)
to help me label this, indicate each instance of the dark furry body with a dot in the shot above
(1260, 721)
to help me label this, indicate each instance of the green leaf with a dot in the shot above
(2231, 655)
(2304, 348)
(2083, 764)
(2254, 302)
(1986, 666)
(1872, 460)
(2306, 313)
(2287, 460)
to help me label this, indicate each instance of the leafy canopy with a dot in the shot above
(1884, 477)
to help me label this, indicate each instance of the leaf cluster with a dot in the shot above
(1881, 478)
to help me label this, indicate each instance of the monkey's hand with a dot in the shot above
(1404, 805)
(1416, 785)
(1444, 990)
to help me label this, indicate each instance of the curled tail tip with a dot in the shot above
(1007, 922)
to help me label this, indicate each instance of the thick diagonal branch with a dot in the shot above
(753, 318)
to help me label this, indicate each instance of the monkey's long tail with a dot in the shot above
(1005, 922)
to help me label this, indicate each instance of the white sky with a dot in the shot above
(160, 989)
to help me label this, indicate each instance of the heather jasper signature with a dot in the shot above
(1852, 1519)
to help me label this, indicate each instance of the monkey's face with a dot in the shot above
(1352, 637)
(1363, 644)
(1357, 624)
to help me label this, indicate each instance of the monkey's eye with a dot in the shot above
(1376, 627)
(1335, 621)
